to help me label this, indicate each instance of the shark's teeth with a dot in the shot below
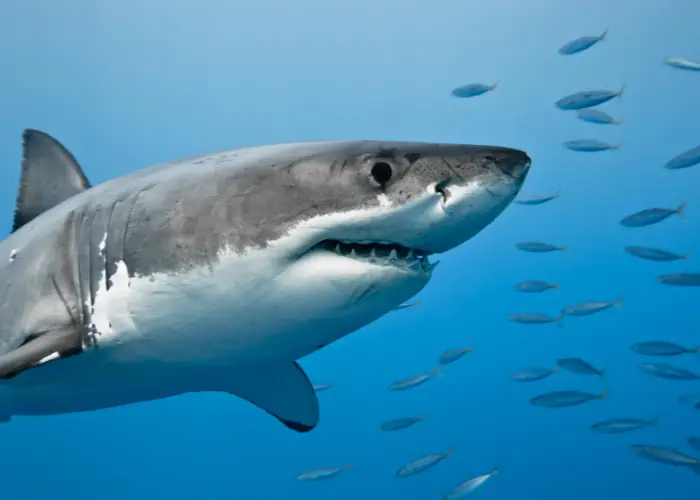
(381, 253)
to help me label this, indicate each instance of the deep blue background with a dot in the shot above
(128, 83)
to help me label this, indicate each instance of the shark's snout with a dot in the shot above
(474, 183)
(512, 162)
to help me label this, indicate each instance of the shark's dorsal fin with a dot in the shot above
(50, 175)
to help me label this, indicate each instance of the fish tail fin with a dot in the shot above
(437, 370)
(450, 452)
(616, 146)
(555, 369)
(604, 394)
(494, 84)
(603, 35)
(681, 208)
(619, 122)
(686, 256)
(621, 91)
(618, 302)
(350, 466)
(564, 248)
(494, 470)
(558, 320)
(654, 421)
(554, 285)
(423, 415)
(469, 348)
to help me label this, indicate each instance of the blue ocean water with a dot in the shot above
(126, 83)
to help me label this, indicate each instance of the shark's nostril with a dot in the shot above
(441, 188)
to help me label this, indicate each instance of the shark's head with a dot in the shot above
(363, 219)
(312, 240)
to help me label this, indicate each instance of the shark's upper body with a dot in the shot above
(218, 272)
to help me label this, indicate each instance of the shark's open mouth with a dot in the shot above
(387, 254)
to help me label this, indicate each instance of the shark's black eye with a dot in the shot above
(381, 172)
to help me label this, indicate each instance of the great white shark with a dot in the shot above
(218, 272)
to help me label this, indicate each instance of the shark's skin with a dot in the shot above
(211, 273)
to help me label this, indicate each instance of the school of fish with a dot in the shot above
(583, 104)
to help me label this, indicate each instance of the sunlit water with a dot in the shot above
(125, 84)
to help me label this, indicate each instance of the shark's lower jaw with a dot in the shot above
(379, 254)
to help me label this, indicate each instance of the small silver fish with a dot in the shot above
(587, 99)
(586, 308)
(320, 474)
(655, 254)
(534, 319)
(680, 279)
(689, 399)
(590, 145)
(453, 355)
(686, 159)
(535, 286)
(620, 425)
(472, 90)
(694, 442)
(411, 382)
(560, 399)
(661, 348)
(538, 199)
(415, 303)
(680, 63)
(651, 216)
(666, 456)
(580, 44)
(533, 374)
(539, 247)
(667, 371)
(401, 423)
(323, 387)
(422, 464)
(596, 116)
(579, 366)
(470, 485)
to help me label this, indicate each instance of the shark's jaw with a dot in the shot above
(381, 253)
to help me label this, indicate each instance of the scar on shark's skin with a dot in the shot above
(219, 272)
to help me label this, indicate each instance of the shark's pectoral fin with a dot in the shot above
(63, 342)
(283, 391)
